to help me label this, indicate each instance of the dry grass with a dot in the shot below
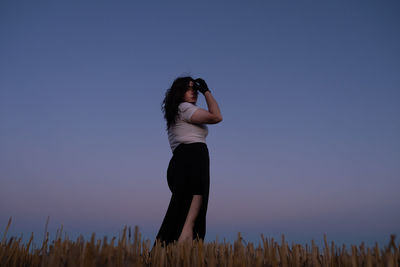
(131, 250)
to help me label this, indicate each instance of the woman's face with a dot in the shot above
(191, 94)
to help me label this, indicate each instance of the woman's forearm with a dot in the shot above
(212, 104)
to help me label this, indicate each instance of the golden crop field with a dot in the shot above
(130, 250)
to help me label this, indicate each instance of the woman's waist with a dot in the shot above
(190, 148)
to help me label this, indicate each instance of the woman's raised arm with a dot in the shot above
(212, 116)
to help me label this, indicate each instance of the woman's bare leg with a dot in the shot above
(187, 231)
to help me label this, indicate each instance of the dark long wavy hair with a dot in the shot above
(173, 97)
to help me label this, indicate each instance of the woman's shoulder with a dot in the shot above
(186, 110)
(187, 106)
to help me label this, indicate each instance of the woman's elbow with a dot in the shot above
(218, 119)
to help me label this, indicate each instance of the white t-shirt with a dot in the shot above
(184, 131)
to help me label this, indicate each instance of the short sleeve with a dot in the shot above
(186, 110)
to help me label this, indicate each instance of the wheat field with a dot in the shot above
(130, 250)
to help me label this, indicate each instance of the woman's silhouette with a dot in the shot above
(188, 173)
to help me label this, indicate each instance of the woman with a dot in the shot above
(188, 173)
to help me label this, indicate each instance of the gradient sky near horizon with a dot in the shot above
(309, 92)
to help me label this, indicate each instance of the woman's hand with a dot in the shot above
(202, 85)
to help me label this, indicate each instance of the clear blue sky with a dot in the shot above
(309, 92)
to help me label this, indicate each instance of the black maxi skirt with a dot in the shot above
(188, 174)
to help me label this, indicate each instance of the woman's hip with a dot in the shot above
(189, 169)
